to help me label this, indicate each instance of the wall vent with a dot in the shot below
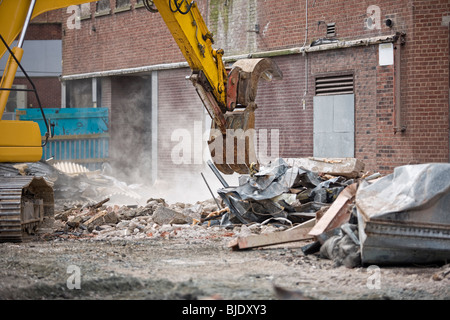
(336, 84)
(331, 29)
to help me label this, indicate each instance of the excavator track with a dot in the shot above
(24, 204)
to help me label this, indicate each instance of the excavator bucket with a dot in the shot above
(235, 151)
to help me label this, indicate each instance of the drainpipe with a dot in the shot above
(397, 114)
(63, 94)
(94, 92)
(154, 126)
(306, 58)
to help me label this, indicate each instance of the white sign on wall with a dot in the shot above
(386, 54)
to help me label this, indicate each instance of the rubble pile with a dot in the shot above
(154, 220)
(328, 207)
(80, 186)
(281, 203)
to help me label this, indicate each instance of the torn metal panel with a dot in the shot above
(404, 217)
(266, 184)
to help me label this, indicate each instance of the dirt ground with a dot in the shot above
(198, 265)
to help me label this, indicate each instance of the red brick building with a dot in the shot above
(366, 79)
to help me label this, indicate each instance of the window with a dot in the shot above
(85, 11)
(83, 93)
(122, 5)
(139, 4)
(103, 7)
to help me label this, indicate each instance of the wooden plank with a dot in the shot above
(96, 216)
(296, 233)
(338, 213)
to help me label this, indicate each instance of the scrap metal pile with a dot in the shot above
(284, 193)
(401, 218)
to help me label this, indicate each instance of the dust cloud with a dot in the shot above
(132, 152)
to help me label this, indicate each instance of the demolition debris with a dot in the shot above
(328, 207)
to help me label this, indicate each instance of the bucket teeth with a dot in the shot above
(235, 151)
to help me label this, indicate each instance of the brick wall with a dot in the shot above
(179, 111)
(49, 91)
(44, 31)
(121, 40)
(426, 85)
(280, 108)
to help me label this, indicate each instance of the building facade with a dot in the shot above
(364, 79)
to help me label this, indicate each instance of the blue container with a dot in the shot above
(69, 121)
(81, 135)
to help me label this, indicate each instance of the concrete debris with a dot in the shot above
(164, 215)
(345, 167)
(326, 207)
(156, 219)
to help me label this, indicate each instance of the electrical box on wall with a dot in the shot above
(386, 54)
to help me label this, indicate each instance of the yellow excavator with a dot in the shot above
(227, 94)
